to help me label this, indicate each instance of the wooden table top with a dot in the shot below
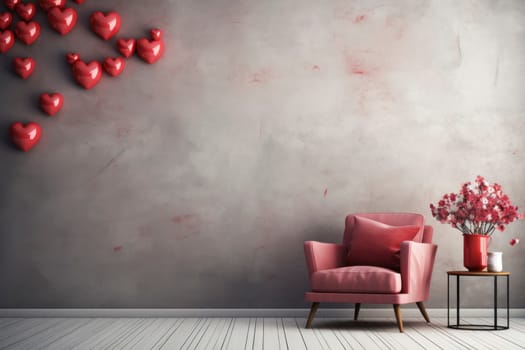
(478, 273)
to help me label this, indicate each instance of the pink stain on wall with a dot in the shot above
(315, 67)
(186, 226)
(325, 192)
(359, 18)
(359, 63)
(355, 67)
(179, 219)
(117, 249)
(352, 14)
(123, 129)
(248, 75)
(372, 89)
(260, 77)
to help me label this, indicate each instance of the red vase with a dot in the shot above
(475, 249)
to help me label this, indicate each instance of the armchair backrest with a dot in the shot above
(393, 219)
(428, 234)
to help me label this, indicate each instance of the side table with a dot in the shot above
(495, 275)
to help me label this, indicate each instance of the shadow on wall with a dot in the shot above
(323, 233)
(5, 142)
(275, 275)
(8, 183)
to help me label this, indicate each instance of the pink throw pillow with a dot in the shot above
(377, 244)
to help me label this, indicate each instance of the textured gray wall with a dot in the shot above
(195, 181)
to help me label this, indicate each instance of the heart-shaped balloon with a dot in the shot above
(25, 136)
(27, 32)
(24, 67)
(47, 5)
(87, 75)
(150, 51)
(62, 20)
(114, 66)
(105, 25)
(11, 4)
(51, 103)
(156, 34)
(6, 18)
(72, 57)
(126, 47)
(26, 11)
(7, 40)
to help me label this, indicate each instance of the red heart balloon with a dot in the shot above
(27, 32)
(10, 4)
(150, 51)
(47, 5)
(24, 67)
(7, 40)
(72, 57)
(6, 18)
(51, 103)
(26, 136)
(105, 25)
(126, 47)
(156, 34)
(26, 11)
(62, 20)
(114, 66)
(87, 75)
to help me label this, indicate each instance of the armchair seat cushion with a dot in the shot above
(357, 279)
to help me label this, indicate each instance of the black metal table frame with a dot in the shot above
(477, 327)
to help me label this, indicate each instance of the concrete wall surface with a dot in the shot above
(193, 182)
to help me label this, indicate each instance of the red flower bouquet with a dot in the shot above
(478, 208)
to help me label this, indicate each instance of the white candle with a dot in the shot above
(495, 262)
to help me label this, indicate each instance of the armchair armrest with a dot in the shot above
(417, 263)
(323, 256)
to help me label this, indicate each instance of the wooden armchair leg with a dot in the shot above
(399, 319)
(421, 307)
(313, 310)
(356, 310)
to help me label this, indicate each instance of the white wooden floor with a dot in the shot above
(249, 333)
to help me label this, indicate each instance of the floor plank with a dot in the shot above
(160, 342)
(50, 335)
(292, 336)
(71, 340)
(9, 322)
(97, 339)
(180, 335)
(211, 335)
(222, 333)
(147, 326)
(252, 333)
(28, 332)
(19, 327)
(311, 338)
(281, 336)
(507, 339)
(157, 333)
(250, 337)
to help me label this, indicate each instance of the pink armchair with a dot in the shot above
(385, 258)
